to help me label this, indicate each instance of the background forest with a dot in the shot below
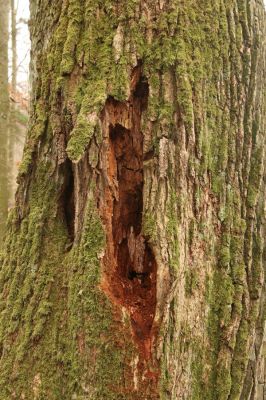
(14, 85)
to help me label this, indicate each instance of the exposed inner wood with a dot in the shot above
(129, 262)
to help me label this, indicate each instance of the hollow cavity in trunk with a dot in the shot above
(132, 281)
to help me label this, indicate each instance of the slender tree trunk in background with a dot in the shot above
(14, 44)
(13, 129)
(17, 114)
(133, 265)
(4, 113)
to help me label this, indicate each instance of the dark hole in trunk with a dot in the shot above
(67, 200)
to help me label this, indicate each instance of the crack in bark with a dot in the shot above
(67, 203)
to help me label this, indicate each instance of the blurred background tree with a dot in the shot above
(14, 54)
(4, 113)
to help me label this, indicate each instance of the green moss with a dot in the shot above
(26, 161)
(28, 297)
(36, 304)
(91, 317)
(227, 303)
(52, 308)
(191, 282)
(36, 130)
(197, 370)
(80, 138)
(224, 382)
(240, 360)
(149, 226)
(75, 18)
(87, 120)
(255, 283)
(255, 177)
(164, 380)
(172, 230)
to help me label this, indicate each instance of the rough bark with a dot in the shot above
(133, 263)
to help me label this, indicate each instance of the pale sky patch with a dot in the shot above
(23, 44)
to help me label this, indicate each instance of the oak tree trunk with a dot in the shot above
(133, 265)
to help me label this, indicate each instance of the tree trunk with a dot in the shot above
(133, 263)
(4, 114)
(17, 115)
(14, 44)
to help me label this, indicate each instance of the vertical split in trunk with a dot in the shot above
(129, 262)
(67, 203)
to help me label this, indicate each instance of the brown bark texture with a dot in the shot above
(134, 260)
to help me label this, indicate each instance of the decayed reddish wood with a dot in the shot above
(129, 264)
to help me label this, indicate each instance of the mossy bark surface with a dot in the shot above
(133, 264)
